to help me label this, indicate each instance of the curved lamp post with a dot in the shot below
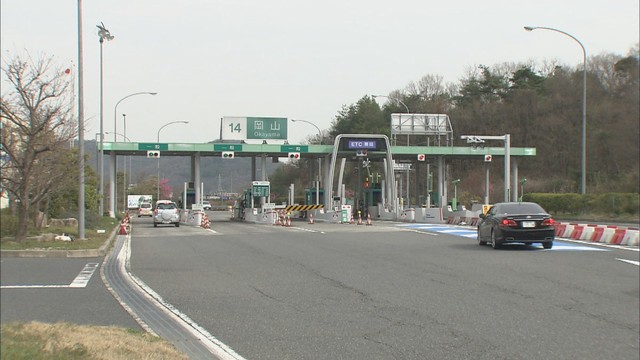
(319, 159)
(115, 118)
(104, 34)
(398, 100)
(583, 162)
(310, 123)
(115, 109)
(158, 141)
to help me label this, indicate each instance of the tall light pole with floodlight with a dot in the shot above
(157, 142)
(583, 161)
(103, 34)
(319, 159)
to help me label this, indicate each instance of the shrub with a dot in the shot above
(8, 223)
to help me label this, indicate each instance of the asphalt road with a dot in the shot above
(40, 289)
(330, 291)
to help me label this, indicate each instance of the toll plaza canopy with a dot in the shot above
(438, 155)
(305, 151)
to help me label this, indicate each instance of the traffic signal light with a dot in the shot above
(228, 154)
(366, 183)
(294, 155)
(361, 152)
(487, 158)
(422, 157)
(153, 154)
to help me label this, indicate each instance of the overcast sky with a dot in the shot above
(292, 58)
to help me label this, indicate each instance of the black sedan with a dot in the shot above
(516, 222)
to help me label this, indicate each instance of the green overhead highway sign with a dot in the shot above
(294, 148)
(263, 128)
(227, 147)
(153, 146)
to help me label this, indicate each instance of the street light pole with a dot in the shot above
(398, 100)
(113, 204)
(115, 109)
(158, 142)
(125, 184)
(583, 160)
(104, 34)
(310, 123)
(81, 202)
(319, 159)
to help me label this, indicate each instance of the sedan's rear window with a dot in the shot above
(520, 209)
(166, 206)
(145, 206)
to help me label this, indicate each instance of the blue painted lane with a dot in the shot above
(468, 232)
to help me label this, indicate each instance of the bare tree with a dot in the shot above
(36, 112)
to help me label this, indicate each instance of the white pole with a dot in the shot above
(81, 204)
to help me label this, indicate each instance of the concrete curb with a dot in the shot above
(84, 253)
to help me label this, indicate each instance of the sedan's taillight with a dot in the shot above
(509, 223)
(548, 222)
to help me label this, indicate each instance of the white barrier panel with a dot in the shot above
(567, 231)
(631, 238)
(607, 235)
(193, 217)
(587, 231)
(430, 215)
(409, 215)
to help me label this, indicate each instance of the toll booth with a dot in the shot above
(189, 197)
(372, 195)
(241, 204)
(310, 196)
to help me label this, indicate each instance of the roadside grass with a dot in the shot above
(94, 237)
(36, 340)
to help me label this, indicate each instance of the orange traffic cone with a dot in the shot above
(359, 219)
(369, 219)
(310, 218)
(123, 229)
(205, 222)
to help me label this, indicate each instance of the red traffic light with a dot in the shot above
(487, 158)
(422, 157)
(294, 155)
